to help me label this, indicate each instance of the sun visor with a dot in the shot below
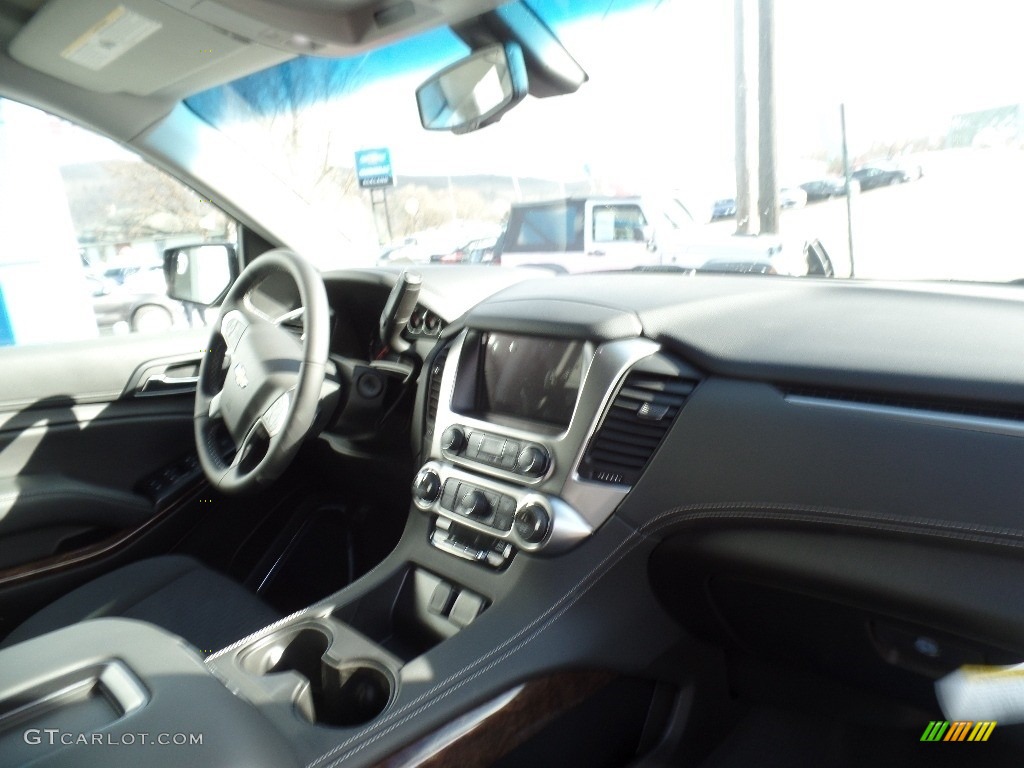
(332, 28)
(141, 47)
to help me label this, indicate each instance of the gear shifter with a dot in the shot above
(397, 311)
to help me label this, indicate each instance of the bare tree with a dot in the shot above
(293, 103)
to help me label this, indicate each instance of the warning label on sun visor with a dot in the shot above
(109, 39)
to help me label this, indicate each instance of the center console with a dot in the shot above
(511, 440)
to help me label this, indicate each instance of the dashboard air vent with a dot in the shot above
(434, 389)
(639, 417)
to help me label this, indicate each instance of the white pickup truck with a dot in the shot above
(612, 233)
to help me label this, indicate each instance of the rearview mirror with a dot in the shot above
(474, 91)
(200, 274)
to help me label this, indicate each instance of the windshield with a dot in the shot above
(897, 143)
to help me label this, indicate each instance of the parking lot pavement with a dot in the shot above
(961, 221)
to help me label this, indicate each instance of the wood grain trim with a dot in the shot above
(101, 549)
(484, 734)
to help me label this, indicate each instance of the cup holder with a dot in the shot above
(352, 695)
(347, 693)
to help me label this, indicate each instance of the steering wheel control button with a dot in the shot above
(466, 608)
(427, 487)
(475, 504)
(274, 418)
(232, 328)
(453, 440)
(532, 461)
(532, 523)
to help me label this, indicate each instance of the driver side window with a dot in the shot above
(85, 223)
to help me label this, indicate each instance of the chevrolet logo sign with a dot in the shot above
(240, 377)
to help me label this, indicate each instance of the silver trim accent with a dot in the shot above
(162, 384)
(989, 424)
(568, 527)
(291, 315)
(591, 502)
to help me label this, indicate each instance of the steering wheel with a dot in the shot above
(258, 382)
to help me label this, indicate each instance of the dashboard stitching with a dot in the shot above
(665, 519)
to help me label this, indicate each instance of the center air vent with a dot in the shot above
(434, 389)
(633, 428)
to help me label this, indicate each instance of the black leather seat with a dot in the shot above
(174, 592)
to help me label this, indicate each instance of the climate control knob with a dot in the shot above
(427, 486)
(532, 461)
(532, 523)
(475, 504)
(453, 439)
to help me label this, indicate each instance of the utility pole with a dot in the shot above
(768, 182)
(849, 190)
(745, 103)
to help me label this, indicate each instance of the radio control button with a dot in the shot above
(427, 487)
(475, 504)
(532, 523)
(486, 448)
(510, 454)
(505, 513)
(453, 439)
(451, 488)
(532, 461)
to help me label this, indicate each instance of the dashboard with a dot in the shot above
(819, 474)
(547, 402)
(673, 403)
(712, 494)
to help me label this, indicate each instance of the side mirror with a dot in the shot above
(200, 274)
(474, 91)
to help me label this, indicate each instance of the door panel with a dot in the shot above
(93, 371)
(78, 437)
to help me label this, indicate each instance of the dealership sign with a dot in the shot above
(373, 168)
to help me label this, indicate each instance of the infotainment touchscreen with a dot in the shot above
(529, 377)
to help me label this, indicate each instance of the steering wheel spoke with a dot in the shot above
(214, 410)
(233, 326)
(274, 418)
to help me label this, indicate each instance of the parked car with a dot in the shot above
(723, 208)
(824, 189)
(792, 197)
(477, 251)
(588, 234)
(873, 176)
(789, 197)
(130, 300)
